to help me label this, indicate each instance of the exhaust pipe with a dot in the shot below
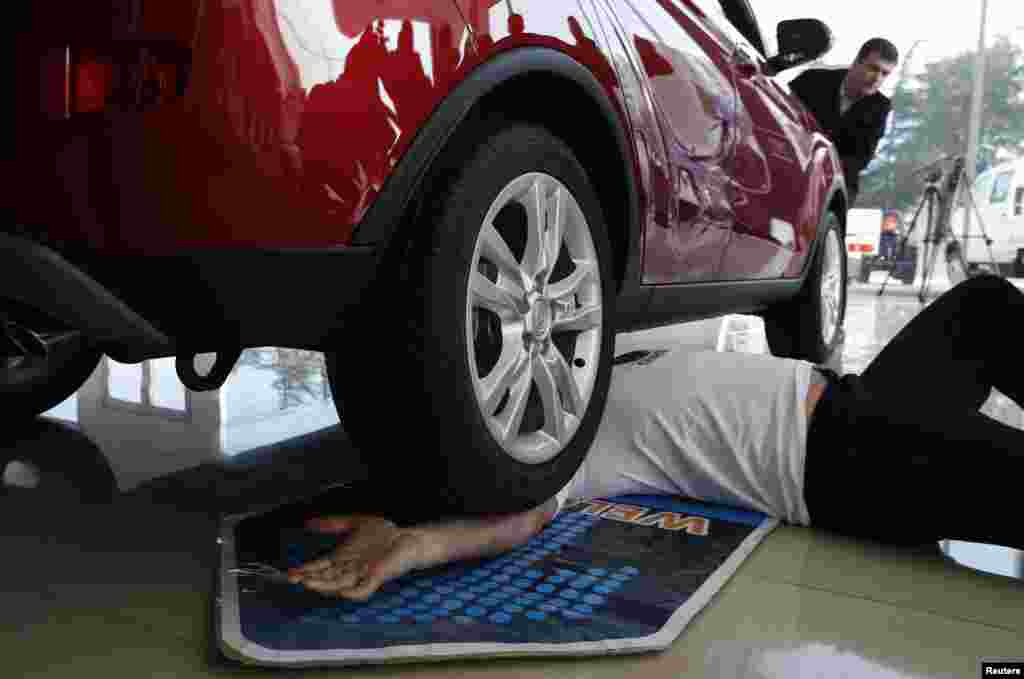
(40, 278)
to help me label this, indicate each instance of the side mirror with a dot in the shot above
(800, 41)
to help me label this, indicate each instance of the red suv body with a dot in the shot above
(211, 175)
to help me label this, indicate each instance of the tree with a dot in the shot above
(931, 114)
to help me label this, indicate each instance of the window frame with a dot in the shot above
(742, 17)
(983, 185)
(145, 405)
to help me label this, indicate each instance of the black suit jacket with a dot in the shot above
(856, 133)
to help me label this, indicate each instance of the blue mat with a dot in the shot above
(624, 575)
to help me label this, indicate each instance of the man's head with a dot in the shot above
(875, 61)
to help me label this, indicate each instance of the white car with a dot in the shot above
(999, 193)
(863, 227)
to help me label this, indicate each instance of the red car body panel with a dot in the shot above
(677, 107)
(297, 113)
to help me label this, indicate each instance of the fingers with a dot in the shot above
(340, 559)
(359, 565)
(350, 581)
(326, 524)
(309, 569)
(363, 591)
(336, 578)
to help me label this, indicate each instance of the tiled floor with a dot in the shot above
(121, 588)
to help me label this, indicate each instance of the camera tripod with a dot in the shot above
(941, 194)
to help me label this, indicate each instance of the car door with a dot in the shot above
(998, 219)
(776, 213)
(686, 72)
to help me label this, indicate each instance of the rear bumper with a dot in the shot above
(38, 277)
(901, 267)
(140, 307)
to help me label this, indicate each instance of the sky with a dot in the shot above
(947, 29)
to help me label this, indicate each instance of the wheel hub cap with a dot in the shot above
(538, 320)
(831, 288)
(535, 285)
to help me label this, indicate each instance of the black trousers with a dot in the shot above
(901, 454)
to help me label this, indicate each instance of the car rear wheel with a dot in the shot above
(39, 368)
(864, 275)
(809, 327)
(496, 372)
(50, 458)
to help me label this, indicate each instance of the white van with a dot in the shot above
(863, 247)
(999, 192)
(863, 227)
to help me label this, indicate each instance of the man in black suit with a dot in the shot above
(848, 106)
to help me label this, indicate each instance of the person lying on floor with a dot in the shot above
(899, 454)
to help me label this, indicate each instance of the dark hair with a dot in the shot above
(885, 49)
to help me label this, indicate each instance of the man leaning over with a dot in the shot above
(848, 106)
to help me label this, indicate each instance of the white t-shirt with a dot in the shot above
(722, 427)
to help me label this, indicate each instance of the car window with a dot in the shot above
(983, 186)
(768, 15)
(684, 78)
(742, 17)
(1001, 187)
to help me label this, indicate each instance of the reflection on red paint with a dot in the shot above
(298, 111)
(654, 64)
(91, 82)
(281, 153)
(346, 130)
(317, 154)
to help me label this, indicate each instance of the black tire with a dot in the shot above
(794, 328)
(32, 385)
(68, 465)
(415, 415)
(864, 275)
(911, 271)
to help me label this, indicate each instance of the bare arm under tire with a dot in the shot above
(374, 550)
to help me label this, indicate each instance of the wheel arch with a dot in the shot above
(834, 202)
(506, 86)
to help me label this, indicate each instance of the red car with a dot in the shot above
(460, 202)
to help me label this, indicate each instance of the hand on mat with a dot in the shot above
(373, 551)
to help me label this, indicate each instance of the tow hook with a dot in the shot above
(222, 367)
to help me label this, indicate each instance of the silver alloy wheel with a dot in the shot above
(531, 309)
(831, 287)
